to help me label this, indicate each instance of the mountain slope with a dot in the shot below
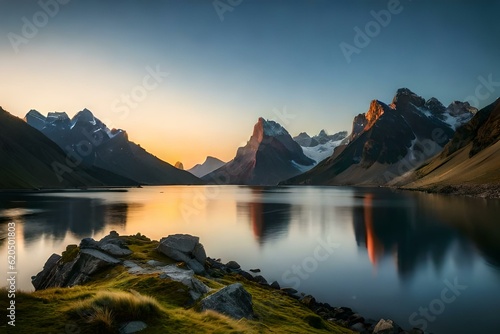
(206, 167)
(93, 144)
(32, 161)
(469, 163)
(271, 155)
(389, 140)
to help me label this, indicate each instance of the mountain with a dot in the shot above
(321, 146)
(30, 160)
(271, 155)
(208, 166)
(92, 144)
(389, 140)
(469, 163)
(179, 165)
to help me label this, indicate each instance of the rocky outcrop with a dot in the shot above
(185, 248)
(233, 301)
(77, 271)
(78, 264)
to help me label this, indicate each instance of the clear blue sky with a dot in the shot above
(222, 75)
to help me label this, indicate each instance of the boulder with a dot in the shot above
(233, 301)
(110, 244)
(233, 265)
(115, 250)
(260, 279)
(186, 277)
(185, 248)
(39, 280)
(386, 327)
(77, 271)
(275, 285)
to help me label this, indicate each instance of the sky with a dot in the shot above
(187, 78)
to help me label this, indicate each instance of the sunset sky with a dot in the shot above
(264, 57)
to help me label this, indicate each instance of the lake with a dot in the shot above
(422, 260)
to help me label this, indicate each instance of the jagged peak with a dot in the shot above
(57, 116)
(404, 96)
(458, 108)
(434, 105)
(268, 128)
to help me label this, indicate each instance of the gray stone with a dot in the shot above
(233, 265)
(154, 263)
(275, 285)
(130, 264)
(199, 253)
(358, 327)
(196, 287)
(196, 266)
(115, 250)
(386, 327)
(100, 255)
(88, 243)
(233, 301)
(132, 327)
(75, 272)
(260, 279)
(42, 276)
(181, 242)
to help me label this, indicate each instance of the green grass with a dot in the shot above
(115, 296)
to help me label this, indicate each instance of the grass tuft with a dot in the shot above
(107, 309)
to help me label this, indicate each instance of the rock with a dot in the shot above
(154, 263)
(115, 250)
(130, 264)
(75, 272)
(233, 265)
(197, 267)
(308, 300)
(386, 327)
(359, 327)
(255, 270)
(275, 285)
(260, 279)
(185, 248)
(233, 301)
(132, 327)
(39, 280)
(88, 243)
(199, 253)
(246, 275)
(355, 318)
(186, 277)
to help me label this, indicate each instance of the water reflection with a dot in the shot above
(56, 216)
(269, 220)
(418, 229)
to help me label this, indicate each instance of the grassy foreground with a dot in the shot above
(115, 296)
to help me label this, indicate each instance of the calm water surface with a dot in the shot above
(422, 260)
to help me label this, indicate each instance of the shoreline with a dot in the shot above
(105, 264)
(483, 191)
